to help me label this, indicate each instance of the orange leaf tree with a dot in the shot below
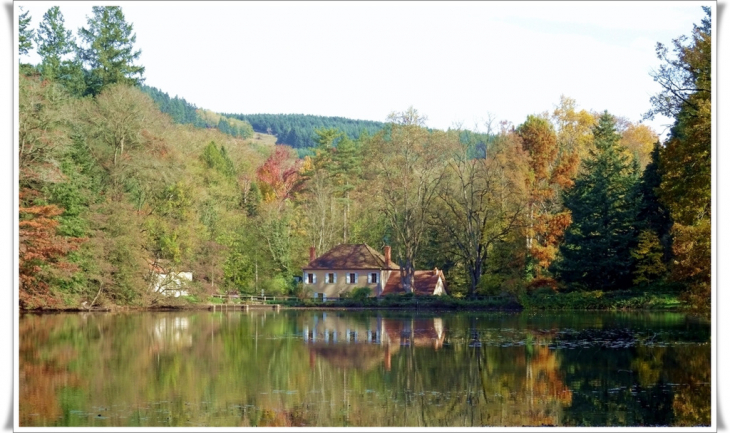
(41, 253)
(551, 171)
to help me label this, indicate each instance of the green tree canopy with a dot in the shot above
(108, 49)
(25, 35)
(55, 43)
(686, 160)
(596, 251)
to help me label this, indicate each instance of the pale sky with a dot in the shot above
(455, 62)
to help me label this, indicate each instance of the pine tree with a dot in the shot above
(648, 255)
(651, 213)
(25, 35)
(54, 43)
(596, 252)
(109, 51)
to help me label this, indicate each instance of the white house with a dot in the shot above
(172, 284)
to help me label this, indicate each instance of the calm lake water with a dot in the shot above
(375, 368)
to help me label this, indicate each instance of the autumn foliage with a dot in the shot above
(41, 254)
(551, 171)
(278, 175)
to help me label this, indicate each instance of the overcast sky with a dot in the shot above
(455, 62)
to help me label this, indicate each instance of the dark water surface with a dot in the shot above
(314, 368)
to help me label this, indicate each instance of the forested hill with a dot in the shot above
(183, 112)
(297, 130)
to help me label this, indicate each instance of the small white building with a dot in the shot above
(173, 283)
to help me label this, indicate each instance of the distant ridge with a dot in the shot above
(185, 113)
(297, 130)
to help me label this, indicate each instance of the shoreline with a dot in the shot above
(239, 307)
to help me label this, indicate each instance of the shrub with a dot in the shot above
(361, 293)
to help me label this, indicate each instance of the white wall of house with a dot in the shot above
(173, 284)
(439, 290)
(341, 282)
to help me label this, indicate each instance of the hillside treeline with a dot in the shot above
(297, 130)
(184, 113)
(112, 190)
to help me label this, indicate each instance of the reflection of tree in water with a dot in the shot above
(522, 386)
(261, 368)
(426, 383)
(43, 369)
(641, 386)
(692, 395)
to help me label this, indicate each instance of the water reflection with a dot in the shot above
(170, 333)
(306, 368)
(346, 343)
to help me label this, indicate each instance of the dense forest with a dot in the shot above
(298, 130)
(185, 113)
(118, 181)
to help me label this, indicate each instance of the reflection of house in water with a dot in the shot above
(350, 343)
(171, 333)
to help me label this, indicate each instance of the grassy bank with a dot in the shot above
(598, 300)
(401, 302)
(540, 300)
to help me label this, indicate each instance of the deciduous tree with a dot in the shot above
(43, 135)
(41, 252)
(551, 173)
(407, 161)
(481, 201)
(686, 170)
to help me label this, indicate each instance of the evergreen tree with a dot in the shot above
(109, 51)
(25, 35)
(218, 159)
(651, 213)
(596, 253)
(54, 43)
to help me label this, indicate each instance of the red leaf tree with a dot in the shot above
(278, 175)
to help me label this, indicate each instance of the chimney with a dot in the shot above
(386, 253)
(312, 254)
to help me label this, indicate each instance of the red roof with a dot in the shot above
(424, 282)
(345, 256)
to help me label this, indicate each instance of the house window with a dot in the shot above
(310, 278)
(330, 278)
(373, 278)
(352, 278)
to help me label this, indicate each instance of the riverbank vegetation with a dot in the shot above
(568, 209)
